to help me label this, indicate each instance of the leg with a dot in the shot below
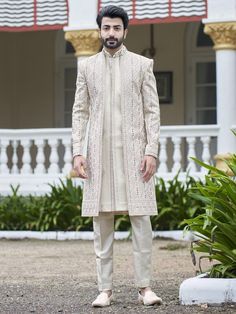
(103, 226)
(142, 249)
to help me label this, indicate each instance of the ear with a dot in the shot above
(125, 33)
(99, 33)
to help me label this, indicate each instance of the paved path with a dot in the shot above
(59, 277)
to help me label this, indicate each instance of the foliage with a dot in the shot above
(17, 210)
(58, 210)
(61, 208)
(174, 203)
(216, 227)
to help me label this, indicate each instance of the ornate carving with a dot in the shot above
(222, 34)
(85, 42)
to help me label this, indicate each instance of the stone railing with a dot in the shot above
(33, 158)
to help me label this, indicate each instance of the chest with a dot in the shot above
(120, 74)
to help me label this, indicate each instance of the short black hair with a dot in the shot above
(113, 11)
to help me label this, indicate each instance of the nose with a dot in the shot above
(111, 32)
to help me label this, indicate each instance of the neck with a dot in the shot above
(113, 51)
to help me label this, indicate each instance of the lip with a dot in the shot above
(111, 40)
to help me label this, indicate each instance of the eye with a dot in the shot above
(105, 28)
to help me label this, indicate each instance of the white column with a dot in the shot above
(191, 140)
(163, 155)
(53, 158)
(40, 157)
(26, 158)
(226, 99)
(3, 156)
(68, 156)
(224, 36)
(177, 154)
(14, 157)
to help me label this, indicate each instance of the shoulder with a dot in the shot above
(89, 60)
(144, 61)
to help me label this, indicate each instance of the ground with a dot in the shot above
(60, 277)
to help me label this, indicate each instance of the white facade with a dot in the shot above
(44, 85)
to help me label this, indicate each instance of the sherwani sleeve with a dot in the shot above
(80, 112)
(151, 111)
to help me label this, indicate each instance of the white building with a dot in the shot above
(196, 80)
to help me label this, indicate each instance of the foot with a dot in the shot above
(147, 297)
(103, 299)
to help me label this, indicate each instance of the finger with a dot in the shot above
(148, 173)
(83, 172)
(143, 165)
(84, 164)
(147, 169)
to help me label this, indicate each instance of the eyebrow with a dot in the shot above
(112, 25)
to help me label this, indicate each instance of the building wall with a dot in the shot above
(27, 76)
(170, 45)
(27, 79)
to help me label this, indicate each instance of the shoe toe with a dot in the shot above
(102, 300)
(150, 298)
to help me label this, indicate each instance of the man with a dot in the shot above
(116, 93)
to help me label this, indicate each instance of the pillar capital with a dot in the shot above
(223, 34)
(85, 42)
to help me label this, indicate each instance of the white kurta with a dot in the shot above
(113, 193)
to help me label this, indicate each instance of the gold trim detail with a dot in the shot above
(85, 42)
(222, 34)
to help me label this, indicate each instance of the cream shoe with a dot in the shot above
(149, 298)
(102, 300)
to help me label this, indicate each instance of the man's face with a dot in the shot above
(112, 32)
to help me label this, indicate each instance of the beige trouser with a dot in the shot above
(103, 226)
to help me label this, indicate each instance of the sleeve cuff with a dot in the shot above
(150, 151)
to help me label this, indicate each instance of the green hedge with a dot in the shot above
(61, 208)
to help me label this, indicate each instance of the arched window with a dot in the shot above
(200, 77)
(66, 70)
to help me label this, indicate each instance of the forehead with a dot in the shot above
(112, 21)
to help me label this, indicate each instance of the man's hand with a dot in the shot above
(148, 167)
(80, 166)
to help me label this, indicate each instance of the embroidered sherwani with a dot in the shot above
(118, 95)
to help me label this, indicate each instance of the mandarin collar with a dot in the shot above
(118, 53)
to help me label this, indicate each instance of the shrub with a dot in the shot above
(216, 227)
(61, 208)
(174, 203)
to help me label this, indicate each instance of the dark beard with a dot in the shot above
(116, 43)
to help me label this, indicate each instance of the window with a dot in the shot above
(200, 77)
(66, 71)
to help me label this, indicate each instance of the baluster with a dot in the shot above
(3, 157)
(163, 155)
(53, 158)
(206, 151)
(191, 153)
(26, 158)
(67, 156)
(177, 154)
(15, 168)
(40, 157)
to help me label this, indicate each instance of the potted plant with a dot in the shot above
(216, 232)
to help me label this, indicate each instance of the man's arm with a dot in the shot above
(151, 111)
(80, 117)
(152, 123)
(80, 112)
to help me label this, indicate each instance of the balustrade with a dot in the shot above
(36, 153)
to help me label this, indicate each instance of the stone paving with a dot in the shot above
(59, 277)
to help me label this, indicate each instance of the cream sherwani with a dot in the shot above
(133, 101)
(118, 93)
(113, 194)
